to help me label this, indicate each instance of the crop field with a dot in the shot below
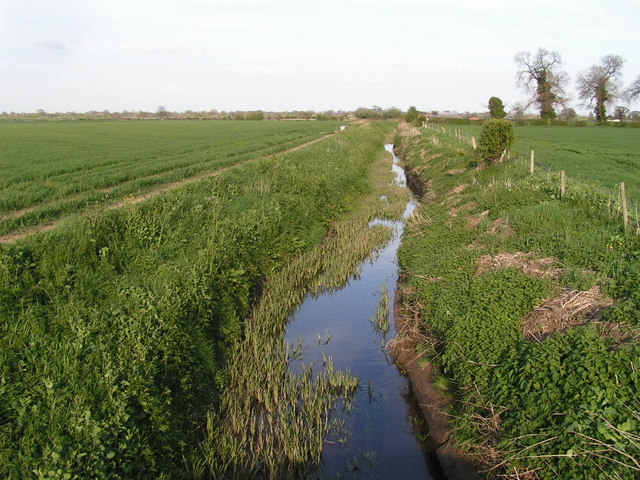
(52, 169)
(602, 155)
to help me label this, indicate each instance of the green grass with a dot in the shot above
(566, 407)
(601, 155)
(50, 169)
(118, 328)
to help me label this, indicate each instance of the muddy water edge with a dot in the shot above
(381, 433)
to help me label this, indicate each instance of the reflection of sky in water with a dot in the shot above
(338, 324)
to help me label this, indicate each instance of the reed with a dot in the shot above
(272, 422)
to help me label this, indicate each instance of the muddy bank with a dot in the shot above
(456, 464)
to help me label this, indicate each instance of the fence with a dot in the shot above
(617, 203)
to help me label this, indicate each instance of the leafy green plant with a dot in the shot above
(496, 137)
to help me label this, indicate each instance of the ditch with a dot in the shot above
(381, 433)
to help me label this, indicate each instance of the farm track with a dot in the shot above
(14, 237)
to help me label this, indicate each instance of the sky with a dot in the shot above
(277, 55)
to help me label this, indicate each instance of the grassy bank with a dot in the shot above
(120, 330)
(529, 307)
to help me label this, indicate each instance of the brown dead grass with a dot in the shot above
(525, 262)
(458, 189)
(570, 309)
(456, 171)
(474, 221)
(455, 211)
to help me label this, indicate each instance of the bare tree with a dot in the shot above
(539, 74)
(621, 112)
(162, 112)
(633, 92)
(517, 112)
(600, 85)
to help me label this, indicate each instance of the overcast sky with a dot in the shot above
(79, 55)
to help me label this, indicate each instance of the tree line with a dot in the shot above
(540, 75)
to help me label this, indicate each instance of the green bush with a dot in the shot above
(496, 136)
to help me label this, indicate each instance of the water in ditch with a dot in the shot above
(382, 434)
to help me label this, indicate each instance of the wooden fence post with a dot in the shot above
(623, 199)
(473, 143)
(533, 162)
(563, 184)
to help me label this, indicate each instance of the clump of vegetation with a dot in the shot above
(561, 407)
(382, 319)
(496, 138)
(496, 108)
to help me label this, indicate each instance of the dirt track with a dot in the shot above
(13, 237)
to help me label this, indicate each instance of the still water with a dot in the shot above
(382, 435)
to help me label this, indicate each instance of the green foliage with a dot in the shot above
(115, 329)
(496, 137)
(567, 407)
(496, 108)
(595, 385)
(257, 115)
(411, 115)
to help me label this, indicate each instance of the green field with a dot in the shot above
(51, 169)
(600, 155)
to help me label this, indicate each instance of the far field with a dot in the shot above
(603, 155)
(48, 170)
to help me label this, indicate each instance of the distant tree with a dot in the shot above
(539, 74)
(633, 92)
(621, 112)
(363, 112)
(162, 112)
(496, 108)
(567, 114)
(412, 114)
(517, 112)
(635, 116)
(600, 85)
(392, 112)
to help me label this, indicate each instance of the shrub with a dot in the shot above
(496, 108)
(496, 136)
